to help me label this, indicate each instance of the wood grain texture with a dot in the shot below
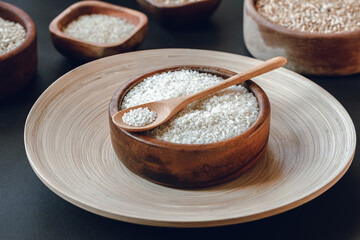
(18, 66)
(67, 140)
(76, 48)
(307, 53)
(179, 14)
(191, 165)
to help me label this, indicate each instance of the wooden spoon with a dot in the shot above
(167, 108)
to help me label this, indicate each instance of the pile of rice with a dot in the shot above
(139, 117)
(11, 35)
(217, 117)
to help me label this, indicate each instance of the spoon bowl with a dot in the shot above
(162, 108)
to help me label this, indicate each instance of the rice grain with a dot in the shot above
(99, 28)
(11, 35)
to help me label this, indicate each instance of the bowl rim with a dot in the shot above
(174, 6)
(263, 102)
(28, 25)
(249, 5)
(54, 29)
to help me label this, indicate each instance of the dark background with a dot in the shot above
(29, 210)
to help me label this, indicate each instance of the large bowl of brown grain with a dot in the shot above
(317, 37)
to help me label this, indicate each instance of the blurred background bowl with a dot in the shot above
(79, 49)
(179, 14)
(18, 66)
(307, 53)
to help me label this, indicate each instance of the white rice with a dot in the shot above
(220, 116)
(139, 117)
(11, 35)
(99, 28)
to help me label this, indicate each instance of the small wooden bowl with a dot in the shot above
(307, 53)
(179, 14)
(79, 49)
(18, 66)
(191, 165)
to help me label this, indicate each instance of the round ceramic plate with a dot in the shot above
(68, 145)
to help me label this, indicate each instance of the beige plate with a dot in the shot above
(312, 143)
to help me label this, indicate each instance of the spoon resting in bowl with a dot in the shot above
(166, 109)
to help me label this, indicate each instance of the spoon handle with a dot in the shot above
(264, 67)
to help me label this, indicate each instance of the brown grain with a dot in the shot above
(315, 16)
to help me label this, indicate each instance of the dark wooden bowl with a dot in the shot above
(191, 165)
(307, 53)
(179, 14)
(75, 48)
(18, 66)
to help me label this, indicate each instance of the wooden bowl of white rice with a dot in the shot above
(18, 49)
(89, 30)
(211, 141)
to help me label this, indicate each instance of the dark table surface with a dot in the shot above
(29, 210)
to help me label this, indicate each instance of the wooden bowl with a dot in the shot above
(79, 49)
(191, 165)
(307, 53)
(179, 14)
(18, 66)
